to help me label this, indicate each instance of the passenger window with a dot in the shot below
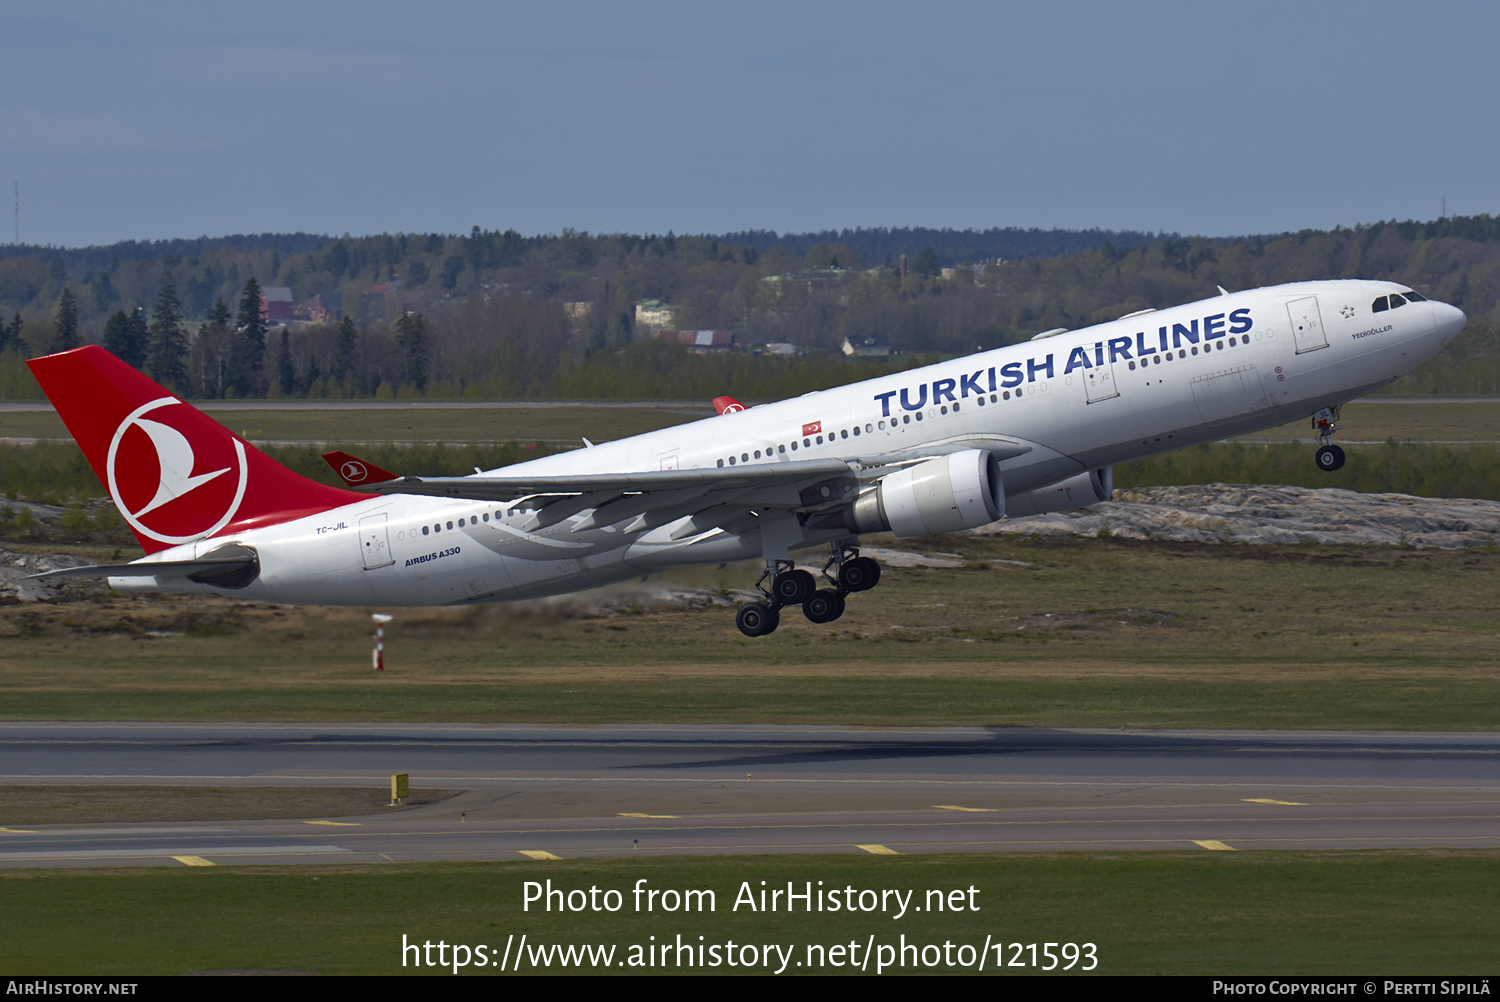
(1379, 306)
(424, 530)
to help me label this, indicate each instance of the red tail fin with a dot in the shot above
(176, 474)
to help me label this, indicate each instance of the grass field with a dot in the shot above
(598, 422)
(1386, 912)
(1078, 633)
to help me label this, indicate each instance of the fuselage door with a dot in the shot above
(1099, 382)
(1307, 324)
(374, 541)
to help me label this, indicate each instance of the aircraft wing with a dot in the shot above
(751, 475)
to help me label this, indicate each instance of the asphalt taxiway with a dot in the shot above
(607, 791)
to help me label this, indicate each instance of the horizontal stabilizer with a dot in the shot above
(154, 568)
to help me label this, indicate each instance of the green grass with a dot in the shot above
(1393, 912)
(600, 422)
(1091, 633)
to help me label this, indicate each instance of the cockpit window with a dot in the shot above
(1413, 297)
(1397, 301)
(1379, 306)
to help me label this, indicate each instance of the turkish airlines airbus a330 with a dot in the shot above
(1020, 430)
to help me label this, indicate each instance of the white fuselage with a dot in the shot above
(1057, 407)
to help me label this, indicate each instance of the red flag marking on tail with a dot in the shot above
(175, 474)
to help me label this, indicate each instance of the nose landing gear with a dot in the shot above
(846, 570)
(1329, 457)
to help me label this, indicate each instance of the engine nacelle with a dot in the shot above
(960, 491)
(1075, 492)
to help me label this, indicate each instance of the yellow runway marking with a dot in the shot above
(17, 831)
(878, 850)
(537, 854)
(1215, 844)
(972, 810)
(650, 815)
(340, 824)
(193, 861)
(1278, 803)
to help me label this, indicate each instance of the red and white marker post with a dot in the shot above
(378, 656)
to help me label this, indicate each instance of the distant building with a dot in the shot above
(867, 346)
(276, 303)
(701, 342)
(653, 314)
(778, 348)
(324, 307)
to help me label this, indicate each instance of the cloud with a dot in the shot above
(35, 130)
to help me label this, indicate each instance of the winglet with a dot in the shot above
(356, 472)
(728, 405)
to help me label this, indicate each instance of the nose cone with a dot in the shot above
(1447, 321)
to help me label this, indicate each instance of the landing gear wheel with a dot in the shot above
(824, 606)
(757, 619)
(859, 574)
(1330, 458)
(793, 587)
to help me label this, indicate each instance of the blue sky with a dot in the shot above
(152, 120)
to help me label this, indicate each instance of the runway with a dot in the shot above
(539, 792)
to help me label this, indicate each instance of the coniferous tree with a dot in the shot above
(117, 335)
(247, 358)
(286, 373)
(137, 337)
(345, 355)
(411, 341)
(167, 340)
(66, 323)
(212, 351)
(14, 339)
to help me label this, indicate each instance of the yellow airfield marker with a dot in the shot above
(537, 854)
(955, 807)
(1215, 844)
(193, 861)
(878, 850)
(636, 815)
(17, 831)
(1279, 803)
(340, 824)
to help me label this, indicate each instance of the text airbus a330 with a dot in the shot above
(1020, 430)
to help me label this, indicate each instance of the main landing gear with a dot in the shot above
(1329, 457)
(846, 570)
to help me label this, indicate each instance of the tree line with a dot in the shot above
(498, 314)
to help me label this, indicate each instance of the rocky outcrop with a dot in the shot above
(16, 568)
(1239, 513)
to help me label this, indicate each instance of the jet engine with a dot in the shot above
(959, 491)
(1081, 491)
